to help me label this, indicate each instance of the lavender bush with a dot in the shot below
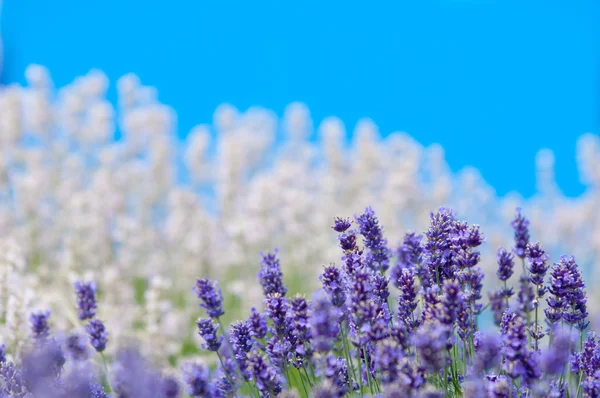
(427, 332)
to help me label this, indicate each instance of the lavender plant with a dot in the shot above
(425, 334)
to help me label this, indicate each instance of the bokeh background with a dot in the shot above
(492, 81)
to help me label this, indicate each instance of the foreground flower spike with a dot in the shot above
(77, 347)
(40, 328)
(97, 334)
(86, 299)
(332, 281)
(407, 300)
(430, 341)
(378, 255)
(210, 295)
(521, 227)
(341, 225)
(196, 378)
(537, 267)
(336, 372)
(241, 343)
(266, 378)
(324, 323)
(409, 256)
(567, 301)
(270, 275)
(2, 354)
(208, 331)
(506, 265)
(258, 324)
(519, 361)
(436, 250)
(487, 352)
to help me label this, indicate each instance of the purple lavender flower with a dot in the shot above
(86, 299)
(487, 349)
(97, 334)
(170, 388)
(270, 275)
(451, 302)
(195, 376)
(341, 224)
(241, 343)
(525, 296)
(12, 381)
(410, 251)
(506, 264)
(378, 255)
(555, 358)
(208, 331)
(300, 325)
(407, 300)
(278, 310)
(132, 376)
(348, 241)
(77, 347)
(258, 324)
(497, 305)
(431, 340)
(324, 323)
(521, 226)
(380, 287)
(409, 255)
(2, 353)
(40, 328)
(537, 268)
(332, 281)
(387, 359)
(436, 251)
(266, 378)
(568, 299)
(518, 360)
(210, 295)
(499, 387)
(336, 372)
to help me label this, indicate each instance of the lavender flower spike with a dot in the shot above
(98, 334)
(195, 376)
(378, 256)
(331, 278)
(210, 295)
(208, 331)
(39, 324)
(270, 275)
(521, 226)
(506, 265)
(86, 299)
(537, 258)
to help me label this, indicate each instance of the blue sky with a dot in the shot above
(492, 81)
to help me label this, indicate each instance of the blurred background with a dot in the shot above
(492, 81)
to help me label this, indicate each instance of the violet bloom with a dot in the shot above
(336, 372)
(436, 250)
(40, 328)
(2, 354)
(431, 342)
(409, 255)
(332, 281)
(525, 296)
(451, 302)
(378, 255)
(407, 299)
(241, 343)
(487, 349)
(300, 325)
(521, 226)
(266, 378)
(380, 287)
(77, 347)
(497, 305)
(568, 300)
(86, 299)
(518, 360)
(341, 225)
(97, 334)
(554, 360)
(208, 331)
(537, 267)
(387, 359)
(210, 295)
(278, 310)
(506, 264)
(324, 323)
(258, 324)
(270, 275)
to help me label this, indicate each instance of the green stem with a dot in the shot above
(105, 370)
(225, 369)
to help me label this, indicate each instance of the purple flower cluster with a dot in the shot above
(211, 297)
(270, 275)
(350, 339)
(378, 255)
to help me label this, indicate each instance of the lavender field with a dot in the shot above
(253, 260)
